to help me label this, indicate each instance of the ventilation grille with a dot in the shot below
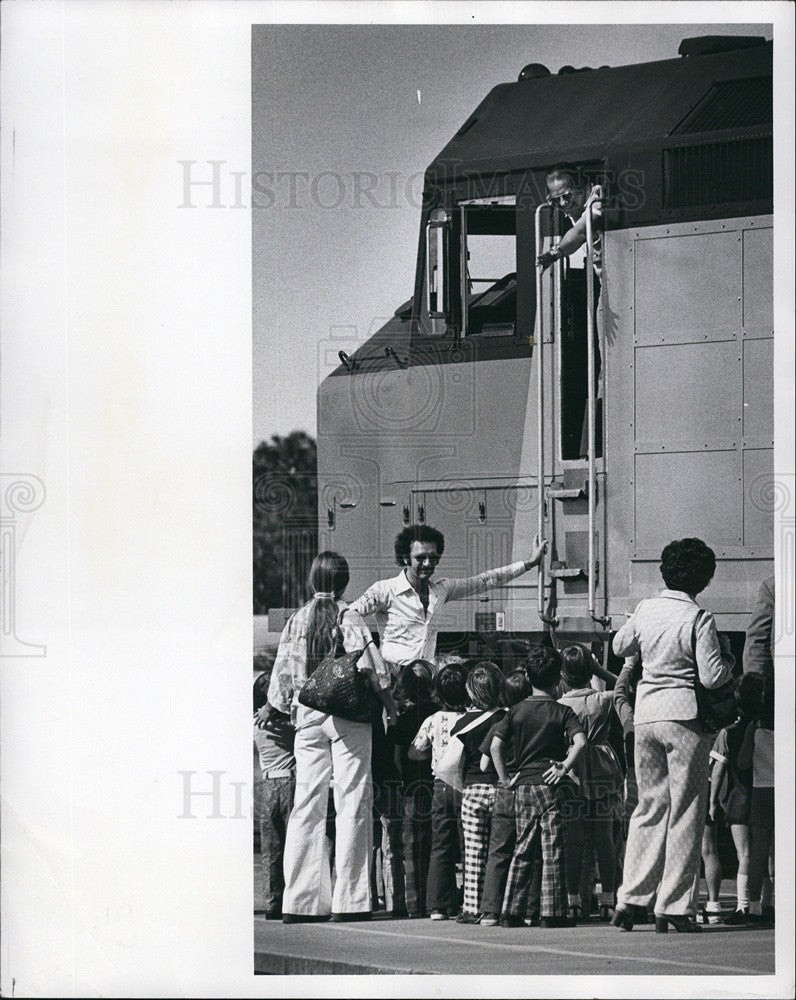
(718, 174)
(731, 104)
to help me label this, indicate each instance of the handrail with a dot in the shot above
(590, 405)
(464, 284)
(538, 343)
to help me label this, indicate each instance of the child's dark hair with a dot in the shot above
(688, 565)
(415, 683)
(485, 685)
(577, 665)
(544, 667)
(260, 692)
(518, 687)
(449, 688)
(749, 695)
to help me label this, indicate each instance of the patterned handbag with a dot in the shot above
(336, 687)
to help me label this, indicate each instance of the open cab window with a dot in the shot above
(489, 269)
(470, 277)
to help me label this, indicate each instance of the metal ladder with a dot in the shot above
(589, 489)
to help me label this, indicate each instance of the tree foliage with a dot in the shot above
(285, 519)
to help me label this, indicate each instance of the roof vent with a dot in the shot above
(731, 104)
(532, 72)
(707, 45)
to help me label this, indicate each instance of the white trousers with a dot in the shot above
(329, 747)
(665, 836)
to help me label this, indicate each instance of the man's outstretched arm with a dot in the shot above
(457, 589)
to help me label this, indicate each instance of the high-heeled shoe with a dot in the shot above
(681, 922)
(623, 917)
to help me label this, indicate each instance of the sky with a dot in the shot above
(346, 119)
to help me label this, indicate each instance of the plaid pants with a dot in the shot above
(539, 818)
(478, 802)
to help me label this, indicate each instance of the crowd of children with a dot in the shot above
(542, 793)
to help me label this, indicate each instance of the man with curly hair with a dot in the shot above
(406, 609)
(407, 606)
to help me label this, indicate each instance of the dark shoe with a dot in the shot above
(468, 918)
(510, 920)
(345, 918)
(400, 913)
(575, 913)
(624, 917)
(304, 918)
(490, 919)
(549, 922)
(275, 914)
(740, 916)
(606, 913)
(681, 922)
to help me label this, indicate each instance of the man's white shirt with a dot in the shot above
(409, 632)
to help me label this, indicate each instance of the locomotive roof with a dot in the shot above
(588, 114)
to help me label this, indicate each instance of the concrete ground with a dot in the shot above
(445, 948)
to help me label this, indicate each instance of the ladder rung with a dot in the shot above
(562, 494)
(567, 572)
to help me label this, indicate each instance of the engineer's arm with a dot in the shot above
(574, 238)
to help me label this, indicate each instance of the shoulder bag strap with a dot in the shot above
(340, 645)
(477, 722)
(697, 618)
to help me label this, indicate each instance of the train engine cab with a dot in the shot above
(618, 399)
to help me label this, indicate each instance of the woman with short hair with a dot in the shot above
(677, 641)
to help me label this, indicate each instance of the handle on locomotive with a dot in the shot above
(591, 412)
(539, 345)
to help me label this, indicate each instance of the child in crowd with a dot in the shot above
(547, 738)
(442, 896)
(502, 834)
(485, 689)
(600, 774)
(757, 752)
(730, 796)
(414, 695)
(274, 795)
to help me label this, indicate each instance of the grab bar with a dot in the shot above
(540, 471)
(591, 414)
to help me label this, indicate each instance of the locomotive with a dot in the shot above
(466, 411)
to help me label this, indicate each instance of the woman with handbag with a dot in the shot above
(330, 745)
(680, 652)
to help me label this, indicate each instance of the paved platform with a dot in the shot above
(429, 947)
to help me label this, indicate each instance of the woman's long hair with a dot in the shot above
(328, 581)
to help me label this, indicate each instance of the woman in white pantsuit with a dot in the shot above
(675, 639)
(327, 747)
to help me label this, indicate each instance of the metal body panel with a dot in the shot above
(689, 406)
